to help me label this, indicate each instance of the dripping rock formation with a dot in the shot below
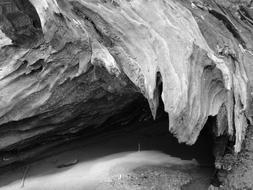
(71, 67)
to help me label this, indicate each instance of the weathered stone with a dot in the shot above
(70, 65)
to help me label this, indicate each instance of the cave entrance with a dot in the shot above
(164, 141)
(134, 132)
(154, 135)
(130, 139)
(133, 129)
(142, 143)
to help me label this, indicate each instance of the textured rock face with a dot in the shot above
(52, 84)
(68, 65)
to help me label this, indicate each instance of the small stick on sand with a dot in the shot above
(24, 176)
(139, 147)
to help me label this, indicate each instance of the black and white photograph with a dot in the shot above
(126, 94)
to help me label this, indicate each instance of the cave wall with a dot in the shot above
(85, 60)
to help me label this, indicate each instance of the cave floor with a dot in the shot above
(127, 159)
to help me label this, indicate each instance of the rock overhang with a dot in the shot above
(202, 67)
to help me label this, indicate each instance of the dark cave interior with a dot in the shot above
(135, 122)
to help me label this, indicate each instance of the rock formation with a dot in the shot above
(71, 66)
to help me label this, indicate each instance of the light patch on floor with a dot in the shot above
(89, 174)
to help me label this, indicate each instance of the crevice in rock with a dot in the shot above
(158, 95)
(27, 8)
(230, 26)
(245, 16)
(91, 17)
(223, 148)
(20, 22)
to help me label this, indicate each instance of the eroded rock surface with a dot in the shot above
(71, 65)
